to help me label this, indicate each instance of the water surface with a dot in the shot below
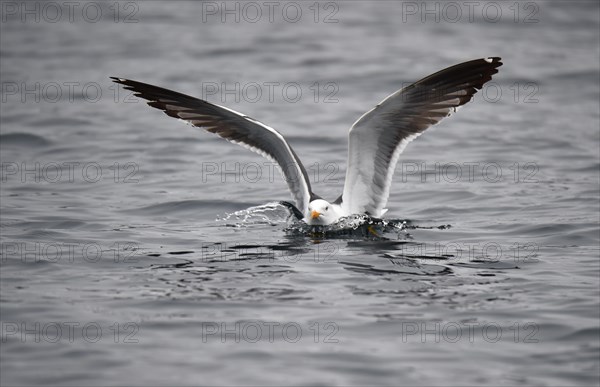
(129, 255)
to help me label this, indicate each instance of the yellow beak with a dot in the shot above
(315, 214)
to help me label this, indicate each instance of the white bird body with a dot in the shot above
(375, 140)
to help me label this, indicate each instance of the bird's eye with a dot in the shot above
(326, 208)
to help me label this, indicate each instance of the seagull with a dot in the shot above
(375, 141)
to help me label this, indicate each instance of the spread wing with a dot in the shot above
(378, 137)
(232, 126)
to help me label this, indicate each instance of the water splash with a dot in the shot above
(354, 226)
(272, 213)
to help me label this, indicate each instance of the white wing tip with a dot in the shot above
(489, 60)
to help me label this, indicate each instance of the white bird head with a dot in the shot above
(321, 212)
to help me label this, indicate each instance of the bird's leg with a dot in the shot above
(372, 230)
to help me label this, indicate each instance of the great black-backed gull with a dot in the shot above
(375, 142)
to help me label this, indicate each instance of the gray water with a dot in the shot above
(137, 250)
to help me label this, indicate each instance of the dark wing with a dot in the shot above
(378, 137)
(232, 126)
